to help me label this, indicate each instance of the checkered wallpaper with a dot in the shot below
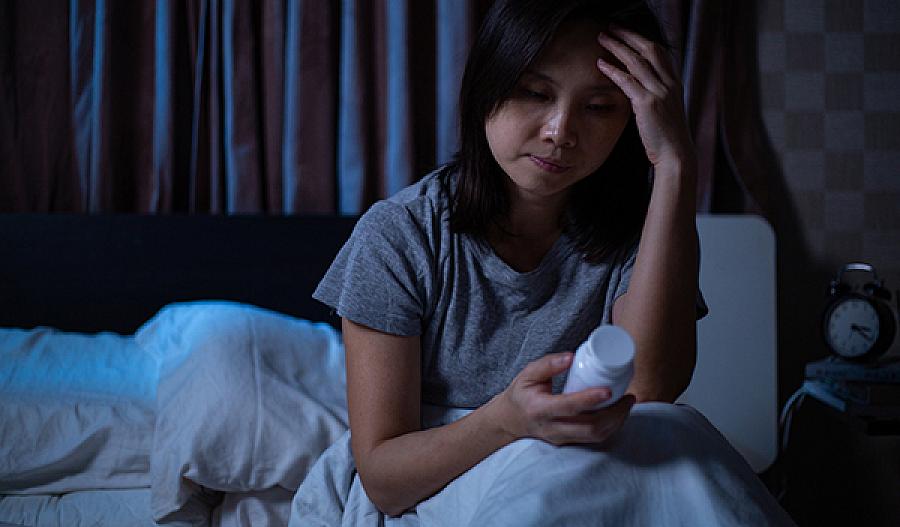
(830, 89)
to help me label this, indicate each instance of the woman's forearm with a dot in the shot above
(404, 470)
(659, 308)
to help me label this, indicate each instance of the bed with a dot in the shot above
(97, 311)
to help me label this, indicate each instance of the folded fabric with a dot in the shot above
(265, 507)
(76, 411)
(46, 363)
(247, 400)
(667, 465)
(97, 508)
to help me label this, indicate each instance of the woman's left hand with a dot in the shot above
(655, 94)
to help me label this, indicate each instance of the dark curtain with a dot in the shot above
(292, 106)
(715, 45)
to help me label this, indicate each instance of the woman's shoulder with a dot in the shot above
(432, 192)
(423, 206)
(419, 211)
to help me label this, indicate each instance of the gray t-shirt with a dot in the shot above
(404, 272)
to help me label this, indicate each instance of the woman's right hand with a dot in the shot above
(528, 408)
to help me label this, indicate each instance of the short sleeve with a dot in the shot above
(620, 277)
(702, 308)
(625, 279)
(378, 278)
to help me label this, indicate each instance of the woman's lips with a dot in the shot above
(549, 166)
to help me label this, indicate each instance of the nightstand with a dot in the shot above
(839, 466)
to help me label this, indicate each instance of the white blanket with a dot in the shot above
(247, 399)
(126, 508)
(667, 466)
(210, 415)
(76, 411)
(131, 508)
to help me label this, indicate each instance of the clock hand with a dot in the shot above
(862, 330)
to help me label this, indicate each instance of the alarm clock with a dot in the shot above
(859, 324)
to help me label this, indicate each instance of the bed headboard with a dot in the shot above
(735, 382)
(113, 272)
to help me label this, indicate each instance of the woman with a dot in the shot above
(462, 294)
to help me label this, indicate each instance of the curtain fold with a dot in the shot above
(745, 142)
(454, 36)
(715, 49)
(290, 106)
(161, 191)
(197, 27)
(351, 148)
(86, 70)
(398, 161)
(702, 67)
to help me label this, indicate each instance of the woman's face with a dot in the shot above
(562, 119)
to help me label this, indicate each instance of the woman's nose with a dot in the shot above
(559, 129)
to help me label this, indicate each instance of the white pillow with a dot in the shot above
(248, 399)
(76, 411)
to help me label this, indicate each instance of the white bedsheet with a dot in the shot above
(249, 403)
(250, 398)
(121, 508)
(131, 508)
(667, 466)
(231, 402)
(76, 411)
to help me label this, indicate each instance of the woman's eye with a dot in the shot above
(601, 107)
(536, 95)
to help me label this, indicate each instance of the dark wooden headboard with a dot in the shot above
(113, 272)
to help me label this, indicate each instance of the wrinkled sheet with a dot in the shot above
(76, 411)
(246, 509)
(247, 403)
(131, 508)
(121, 508)
(80, 418)
(667, 466)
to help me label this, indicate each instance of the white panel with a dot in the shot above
(735, 381)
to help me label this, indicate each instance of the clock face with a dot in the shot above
(852, 327)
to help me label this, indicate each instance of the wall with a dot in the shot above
(830, 76)
(830, 93)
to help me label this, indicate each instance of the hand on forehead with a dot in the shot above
(575, 46)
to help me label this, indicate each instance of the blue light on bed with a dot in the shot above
(46, 363)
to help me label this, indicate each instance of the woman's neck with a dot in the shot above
(533, 218)
(524, 236)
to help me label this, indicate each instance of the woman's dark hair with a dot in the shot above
(606, 209)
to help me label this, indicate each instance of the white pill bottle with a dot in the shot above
(605, 359)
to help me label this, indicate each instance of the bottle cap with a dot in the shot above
(613, 347)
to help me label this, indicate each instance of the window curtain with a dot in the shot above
(715, 48)
(287, 106)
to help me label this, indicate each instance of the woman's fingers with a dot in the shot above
(531, 410)
(592, 427)
(572, 404)
(543, 369)
(639, 67)
(651, 51)
(656, 97)
(578, 433)
(629, 85)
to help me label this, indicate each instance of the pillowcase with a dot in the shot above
(76, 411)
(248, 399)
